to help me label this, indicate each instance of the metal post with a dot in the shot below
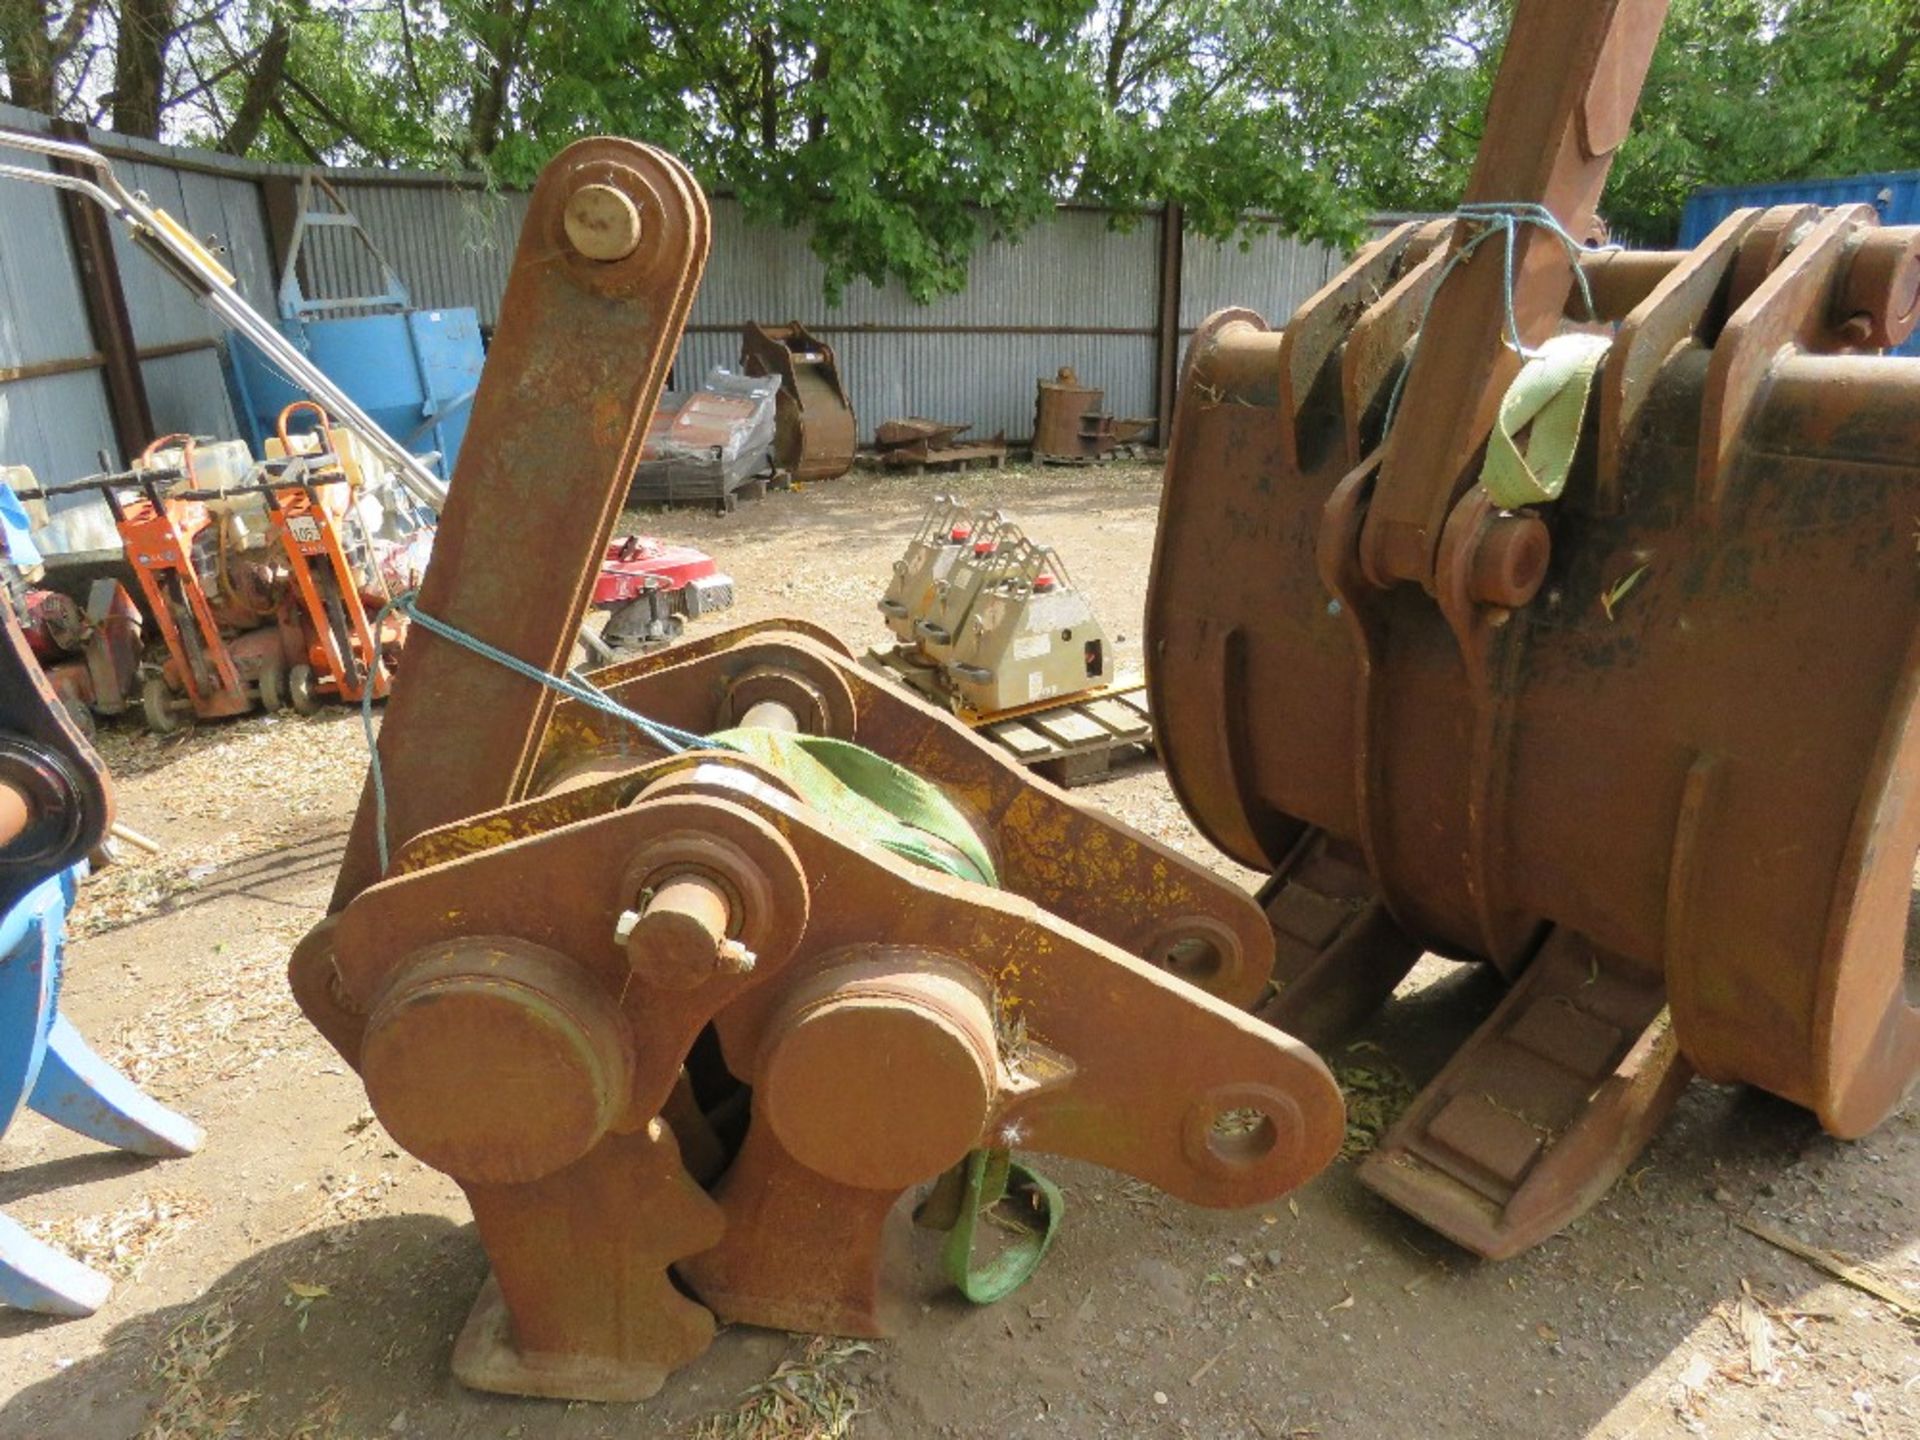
(1173, 227)
(111, 324)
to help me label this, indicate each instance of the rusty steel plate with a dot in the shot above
(1663, 722)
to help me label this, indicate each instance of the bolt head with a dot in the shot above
(602, 222)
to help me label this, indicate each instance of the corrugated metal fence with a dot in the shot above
(1077, 291)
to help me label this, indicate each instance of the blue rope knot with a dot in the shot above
(668, 737)
(1504, 219)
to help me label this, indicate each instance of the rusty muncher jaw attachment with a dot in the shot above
(683, 1033)
(1649, 748)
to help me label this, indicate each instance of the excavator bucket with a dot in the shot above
(1555, 609)
(686, 1013)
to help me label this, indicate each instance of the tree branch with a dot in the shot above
(238, 137)
(72, 28)
(327, 113)
(406, 50)
(281, 113)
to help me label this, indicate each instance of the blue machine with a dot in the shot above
(1896, 195)
(414, 371)
(45, 1065)
(56, 809)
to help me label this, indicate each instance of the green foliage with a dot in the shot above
(897, 135)
(1315, 113)
(910, 131)
(1751, 90)
(1740, 91)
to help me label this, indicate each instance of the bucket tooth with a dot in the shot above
(1543, 1108)
(1337, 952)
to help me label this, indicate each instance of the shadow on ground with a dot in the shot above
(1150, 1318)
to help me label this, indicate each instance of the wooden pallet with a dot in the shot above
(1071, 740)
(985, 456)
(1079, 739)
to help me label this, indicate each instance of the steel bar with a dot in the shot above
(577, 365)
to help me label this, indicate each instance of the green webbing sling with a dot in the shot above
(972, 1188)
(897, 810)
(871, 796)
(1549, 395)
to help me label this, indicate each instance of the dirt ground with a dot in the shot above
(301, 1278)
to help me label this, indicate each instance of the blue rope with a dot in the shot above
(669, 738)
(1504, 219)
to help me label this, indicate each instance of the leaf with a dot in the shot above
(308, 1291)
(1621, 588)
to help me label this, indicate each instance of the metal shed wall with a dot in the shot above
(59, 424)
(53, 424)
(184, 387)
(451, 246)
(1076, 291)
(1270, 274)
(1073, 292)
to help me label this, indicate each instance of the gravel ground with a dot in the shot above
(303, 1278)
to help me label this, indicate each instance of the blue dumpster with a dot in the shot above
(414, 371)
(1896, 195)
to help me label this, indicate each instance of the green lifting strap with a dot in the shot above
(968, 1191)
(1548, 399)
(871, 796)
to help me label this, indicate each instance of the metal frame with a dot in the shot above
(294, 304)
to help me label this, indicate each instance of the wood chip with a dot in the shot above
(1757, 1330)
(1838, 1266)
(1201, 1373)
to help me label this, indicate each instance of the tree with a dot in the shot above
(1313, 113)
(1753, 90)
(1740, 91)
(899, 134)
(146, 30)
(261, 89)
(36, 43)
